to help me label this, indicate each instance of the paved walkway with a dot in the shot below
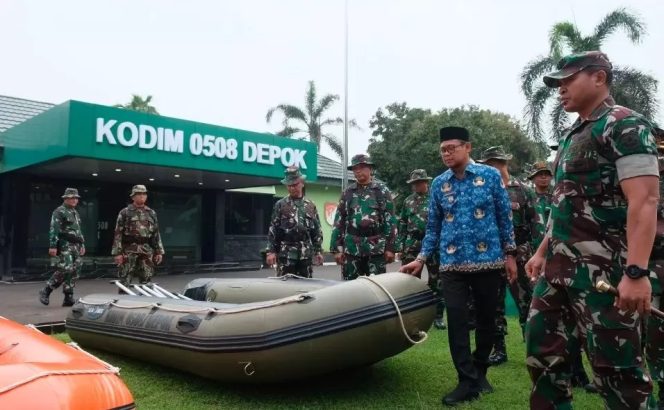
(19, 301)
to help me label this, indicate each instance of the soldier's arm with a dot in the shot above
(54, 230)
(273, 244)
(117, 235)
(503, 208)
(390, 228)
(80, 228)
(401, 228)
(531, 212)
(157, 245)
(339, 227)
(434, 220)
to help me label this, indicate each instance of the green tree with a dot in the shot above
(140, 104)
(405, 138)
(630, 88)
(310, 119)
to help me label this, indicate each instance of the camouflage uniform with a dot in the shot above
(542, 207)
(66, 236)
(411, 230)
(364, 226)
(295, 234)
(137, 238)
(587, 243)
(524, 219)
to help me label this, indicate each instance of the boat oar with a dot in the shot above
(604, 287)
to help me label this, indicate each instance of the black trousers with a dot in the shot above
(457, 289)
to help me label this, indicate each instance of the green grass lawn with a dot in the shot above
(415, 379)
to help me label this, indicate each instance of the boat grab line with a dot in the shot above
(422, 334)
(53, 373)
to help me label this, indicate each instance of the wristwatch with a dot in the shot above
(634, 272)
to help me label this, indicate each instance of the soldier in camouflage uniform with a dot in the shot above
(524, 221)
(137, 246)
(365, 227)
(295, 235)
(411, 230)
(655, 329)
(601, 227)
(66, 243)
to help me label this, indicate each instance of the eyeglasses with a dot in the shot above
(449, 149)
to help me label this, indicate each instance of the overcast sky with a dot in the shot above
(227, 62)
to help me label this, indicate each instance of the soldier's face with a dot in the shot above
(579, 91)
(362, 173)
(499, 164)
(455, 153)
(420, 186)
(295, 190)
(71, 202)
(139, 199)
(543, 179)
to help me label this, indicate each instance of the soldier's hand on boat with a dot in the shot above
(414, 268)
(535, 266)
(339, 258)
(119, 259)
(271, 258)
(52, 251)
(510, 268)
(389, 256)
(157, 259)
(318, 259)
(634, 294)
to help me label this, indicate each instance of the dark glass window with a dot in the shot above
(248, 214)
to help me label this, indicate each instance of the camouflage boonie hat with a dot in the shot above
(360, 159)
(496, 152)
(418, 175)
(70, 193)
(138, 189)
(540, 166)
(293, 175)
(573, 63)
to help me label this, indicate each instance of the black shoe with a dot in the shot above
(439, 323)
(69, 300)
(485, 386)
(498, 357)
(460, 394)
(581, 380)
(44, 295)
(591, 388)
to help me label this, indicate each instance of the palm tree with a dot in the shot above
(310, 119)
(630, 88)
(137, 103)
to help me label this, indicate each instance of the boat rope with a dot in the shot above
(106, 364)
(421, 334)
(207, 310)
(290, 276)
(48, 373)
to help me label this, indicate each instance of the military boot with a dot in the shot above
(44, 295)
(499, 354)
(438, 321)
(69, 299)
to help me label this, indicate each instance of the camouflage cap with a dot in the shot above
(573, 63)
(418, 175)
(293, 175)
(496, 152)
(360, 159)
(540, 166)
(138, 189)
(70, 193)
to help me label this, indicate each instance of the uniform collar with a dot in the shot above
(599, 112)
(471, 168)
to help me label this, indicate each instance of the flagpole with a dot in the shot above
(344, 158)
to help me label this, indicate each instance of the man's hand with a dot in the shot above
(389, 256)
(82, 251)
(52, 251)
(510, 268)
(157, 259)
(634, 294)
(339, 258)
(414, 268)
(535, 266)
(318, 259)
(271, 258)
(119, 259)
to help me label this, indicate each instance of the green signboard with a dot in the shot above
(93, 131)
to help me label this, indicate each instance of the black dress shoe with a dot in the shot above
(462, 393)
(485, 386)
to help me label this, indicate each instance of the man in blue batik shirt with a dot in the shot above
(470, 217)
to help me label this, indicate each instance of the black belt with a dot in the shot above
(362, 232)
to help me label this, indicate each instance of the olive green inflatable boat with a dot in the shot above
(344, 325)
(245, 290)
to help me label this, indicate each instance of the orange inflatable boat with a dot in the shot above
(40, 372)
